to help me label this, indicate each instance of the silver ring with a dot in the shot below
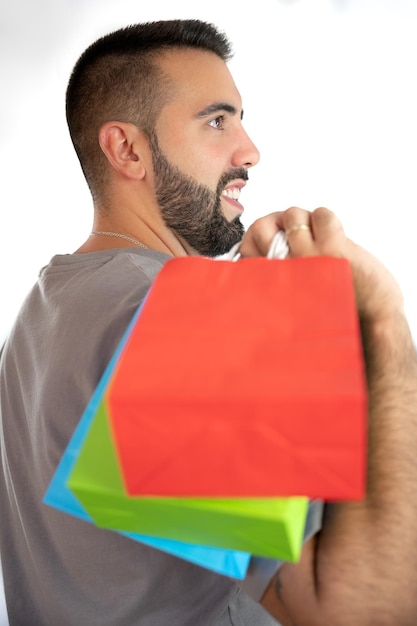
(295, 227)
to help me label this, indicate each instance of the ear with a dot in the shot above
(125, 147)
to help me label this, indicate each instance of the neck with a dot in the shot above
(114, 235)
(107, 236)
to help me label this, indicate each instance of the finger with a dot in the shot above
(296, 227)
(259, 236)
(328, 231)
(298, 230)
(295, 215)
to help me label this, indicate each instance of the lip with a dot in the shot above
(237, 207)
(239, 183)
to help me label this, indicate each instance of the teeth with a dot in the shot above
(234, 193)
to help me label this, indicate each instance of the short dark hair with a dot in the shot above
(117, 77)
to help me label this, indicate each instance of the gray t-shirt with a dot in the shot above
(59, 570)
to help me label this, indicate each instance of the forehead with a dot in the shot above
(199, 77)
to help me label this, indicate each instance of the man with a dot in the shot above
(155, 118)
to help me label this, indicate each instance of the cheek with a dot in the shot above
(206, 166)
(203, 168)
(196, 154)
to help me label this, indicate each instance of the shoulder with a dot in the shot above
(108, 275)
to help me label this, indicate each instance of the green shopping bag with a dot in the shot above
(269, 527)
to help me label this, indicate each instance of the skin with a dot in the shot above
(200, 131)
(361, 568)
(192, 209)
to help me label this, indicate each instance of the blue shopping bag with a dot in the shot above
(233, 563)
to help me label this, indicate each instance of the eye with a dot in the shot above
(217, 122)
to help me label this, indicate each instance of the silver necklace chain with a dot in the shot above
(110, 234)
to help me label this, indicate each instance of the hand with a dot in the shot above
(378, 294)
(359, 539)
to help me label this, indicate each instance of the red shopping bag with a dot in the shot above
(243, 379)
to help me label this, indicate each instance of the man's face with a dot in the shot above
(201, 153)
(192, 209)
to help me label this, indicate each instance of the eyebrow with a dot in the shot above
(217, 107)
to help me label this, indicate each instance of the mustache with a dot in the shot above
(238, 172)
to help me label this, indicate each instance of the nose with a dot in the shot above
(246, 153)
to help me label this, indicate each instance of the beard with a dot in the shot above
(193, 210)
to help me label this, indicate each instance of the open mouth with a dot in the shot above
(231, 192)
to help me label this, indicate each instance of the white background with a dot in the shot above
(330, 98)
(329, 95)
